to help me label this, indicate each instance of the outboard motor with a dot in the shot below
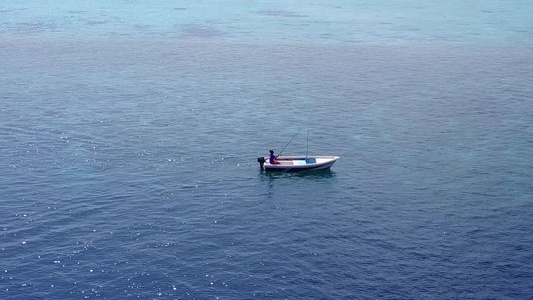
(261, 161)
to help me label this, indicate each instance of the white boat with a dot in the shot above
(298, 163)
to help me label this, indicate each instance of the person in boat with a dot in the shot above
(273, 159)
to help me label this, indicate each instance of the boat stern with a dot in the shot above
(261, 161)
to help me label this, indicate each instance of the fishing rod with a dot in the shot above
(289, 142)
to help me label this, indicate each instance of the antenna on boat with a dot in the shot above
(307, 149)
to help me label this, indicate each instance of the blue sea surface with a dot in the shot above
(129, 133)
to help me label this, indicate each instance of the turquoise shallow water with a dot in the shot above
(274, 22)
(129, 133)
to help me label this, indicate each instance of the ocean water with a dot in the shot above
(129, 133)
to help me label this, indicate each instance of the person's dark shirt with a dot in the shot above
(272, 158)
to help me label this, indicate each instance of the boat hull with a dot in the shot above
(299, 163)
